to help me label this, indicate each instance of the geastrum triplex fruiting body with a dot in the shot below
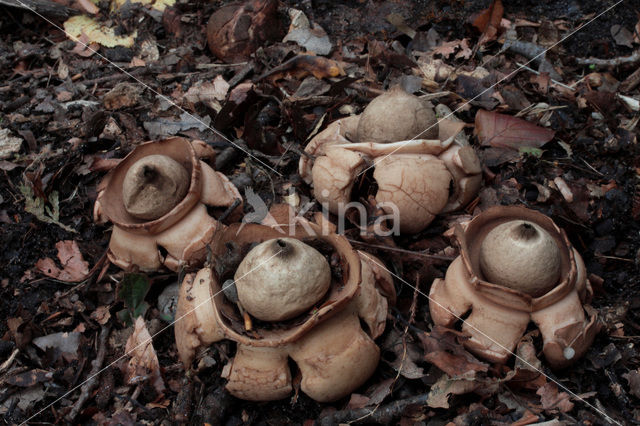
(416, 178)
(157, 198)
(306, 296)
(516, 266)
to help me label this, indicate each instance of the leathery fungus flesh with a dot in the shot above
(416, 178)
(157, 199)
(516, 266)
(315, 319)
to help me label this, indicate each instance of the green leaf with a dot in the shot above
(133, 289)
(140, 310)
(527, 150)
(125, 317)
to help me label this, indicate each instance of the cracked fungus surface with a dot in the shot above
(417, 185)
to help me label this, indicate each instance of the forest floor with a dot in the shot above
(68, 110)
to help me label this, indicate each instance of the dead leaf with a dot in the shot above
(443, 349)
(445, 386)
(74, 267)
(210, 94)
(488, 22)
(633, 378)
(88, 6)
(123, 95)
(81, 27)
(403, 362)
(66, 343)
(101, 315)
(446, 49)
(622, 36)
(29, 378)
(9, 145)
(465, 51)
(500, 130)
(310, 36)
(143, 364)
(553, 400)
(375, 395)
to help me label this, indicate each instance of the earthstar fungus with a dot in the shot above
(157, 198)
(516, 266)
(326, 340)
(419, 178)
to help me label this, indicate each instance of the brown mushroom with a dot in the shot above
(333, 352)
(516, 266)
(235, 31)
(157, 197)
(416, 178)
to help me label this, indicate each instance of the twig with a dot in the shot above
(399, 250)
(384, 415)
(44, 7)
(96, 365)
(613, 62)
(412, 315)
(552, 80)
(5, 365)
(631, 82)
(230, 209)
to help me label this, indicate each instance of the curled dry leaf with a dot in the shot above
(505, 131)
(488, 22)
(439, 394)
(74, 267)
(551, 399)
(29, 378)
(144, 363)
(101, 315)
(66, 343)
(633, 378)
(443, 349)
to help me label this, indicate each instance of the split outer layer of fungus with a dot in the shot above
(332, 351)
(516, 266)
(157, 199)
(416, 178)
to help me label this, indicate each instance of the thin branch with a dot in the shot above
(96, 365)
(613, 62)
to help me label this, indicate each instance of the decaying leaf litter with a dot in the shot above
(67, 115)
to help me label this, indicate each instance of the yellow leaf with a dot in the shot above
(95, 32)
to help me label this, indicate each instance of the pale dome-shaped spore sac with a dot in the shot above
(522, 256)
(281, 278)
(153, 186)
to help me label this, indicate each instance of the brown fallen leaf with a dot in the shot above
(210, 93)
(500, 130)
(375, 395)
(552, 400)
(101, 315)
(303, 65)
(74, 267)
(443, 349)
(29, 378)
(445, 386)
(488, 22)
(633, 378)
(144, 364)
(123, 95)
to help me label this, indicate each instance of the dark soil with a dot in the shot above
(604, 228)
